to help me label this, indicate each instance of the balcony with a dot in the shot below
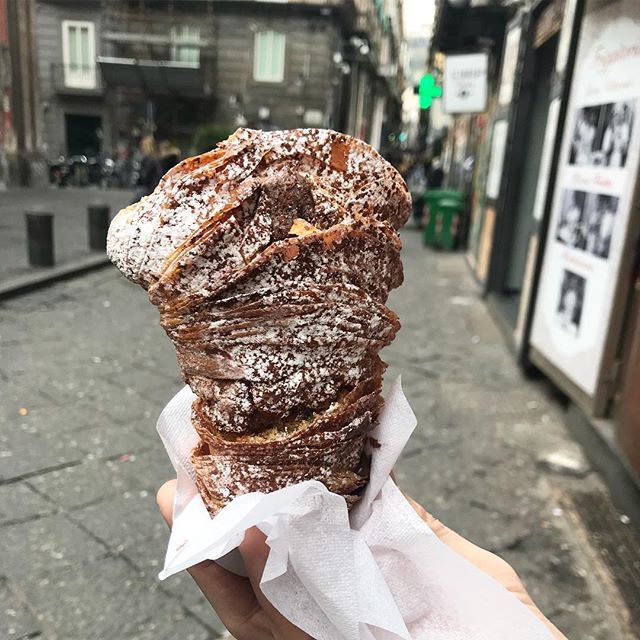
(74, 80)
(154, 77)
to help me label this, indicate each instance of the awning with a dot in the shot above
(155, 77)
(464, 25)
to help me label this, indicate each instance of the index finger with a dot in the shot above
(230, 595)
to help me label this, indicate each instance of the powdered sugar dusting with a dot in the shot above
(276, 332)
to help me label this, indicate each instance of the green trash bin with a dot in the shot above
(432, 200)
(448, 222)
(449, 194)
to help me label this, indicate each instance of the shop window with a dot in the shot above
(185, 45)
(79, 54)
(268, 56)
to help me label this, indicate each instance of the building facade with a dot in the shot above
(110, 71)
(555, 225)
(7, 132)
(21, 161)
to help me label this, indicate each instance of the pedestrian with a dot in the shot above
(417, 182)
(169, 156)
(248, 614)
(435, 177)
(148, 174)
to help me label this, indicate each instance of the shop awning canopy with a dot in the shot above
(470, 24)
(156, 77)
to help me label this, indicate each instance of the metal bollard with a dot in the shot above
(98, 217)
(40, 238)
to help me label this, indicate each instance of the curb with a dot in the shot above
(596, 439)
(42, 278)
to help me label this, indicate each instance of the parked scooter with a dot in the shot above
(81, 171)
(59, 172)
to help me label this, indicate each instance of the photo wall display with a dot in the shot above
(592, 201)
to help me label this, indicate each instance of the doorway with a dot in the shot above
(83, 135)
(524, 223)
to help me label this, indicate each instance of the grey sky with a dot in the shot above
(418, 17)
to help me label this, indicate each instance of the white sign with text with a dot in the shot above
(465, 83)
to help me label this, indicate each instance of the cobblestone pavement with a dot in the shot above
(87, 364)
(69, 206)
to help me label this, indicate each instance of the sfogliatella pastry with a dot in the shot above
(270, 260)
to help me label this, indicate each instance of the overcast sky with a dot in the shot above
(418, 16)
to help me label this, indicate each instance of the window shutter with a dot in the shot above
(268, 56)
(78, 54)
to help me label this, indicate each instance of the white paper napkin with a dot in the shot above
(378, 574)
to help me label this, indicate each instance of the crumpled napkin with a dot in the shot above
(378, 573)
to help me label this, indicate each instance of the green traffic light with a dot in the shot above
(428, 90)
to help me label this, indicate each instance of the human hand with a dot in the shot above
(248, 615)
(238, 601)
(500, 570)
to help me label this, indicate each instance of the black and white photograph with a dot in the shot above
(585, 133)
(599, 220)
(602, 135)
(616, 134)
(587, 221)
(570, 230)
(570, 302)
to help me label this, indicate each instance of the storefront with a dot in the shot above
(584, 332)
(555, 224)
(533, 81)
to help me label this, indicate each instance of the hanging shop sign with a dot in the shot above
(592, 203)
(465, 83)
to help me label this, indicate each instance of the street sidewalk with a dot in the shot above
(86, 369)
(69, 206)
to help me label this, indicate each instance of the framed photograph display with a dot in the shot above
(592, 203)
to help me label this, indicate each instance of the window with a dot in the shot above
(185, 44)
(268, 56)
(79, 54)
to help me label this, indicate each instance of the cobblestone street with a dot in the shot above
(85, 371)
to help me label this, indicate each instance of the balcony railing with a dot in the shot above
(155, 77)
(77, 79)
